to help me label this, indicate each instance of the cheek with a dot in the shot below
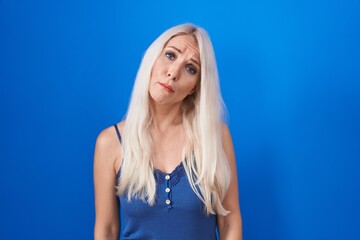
(192, 84)
(158, 66)
(155, 75)
(155, 69)
(187, 89)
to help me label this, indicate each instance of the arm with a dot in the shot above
(230, 226)
(107, 223)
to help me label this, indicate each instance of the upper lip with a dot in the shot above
(167, 86)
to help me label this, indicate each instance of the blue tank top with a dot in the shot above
(177, 213)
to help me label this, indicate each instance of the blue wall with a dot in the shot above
(290, 76)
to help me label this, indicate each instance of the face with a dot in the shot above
(176, 71)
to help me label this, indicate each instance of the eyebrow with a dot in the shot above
(178, 50)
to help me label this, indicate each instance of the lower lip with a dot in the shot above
(166, 88)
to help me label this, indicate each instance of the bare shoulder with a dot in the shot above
(121, 126)
(226, 135)
(228, 145)
(225, 128)
(118, 160)
(108, 137)
(108, 148)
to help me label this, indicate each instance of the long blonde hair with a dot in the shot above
(203, 155)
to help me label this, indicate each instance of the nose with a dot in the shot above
(173, 72)
(172, 76)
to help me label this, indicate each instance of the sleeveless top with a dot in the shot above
(177, 213)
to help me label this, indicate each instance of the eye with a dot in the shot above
(191, 69)
(170, 55)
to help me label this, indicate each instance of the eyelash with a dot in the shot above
(189, 67)
(170, 55)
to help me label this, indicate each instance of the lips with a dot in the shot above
(167, 87)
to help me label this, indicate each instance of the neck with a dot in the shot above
(165, 116)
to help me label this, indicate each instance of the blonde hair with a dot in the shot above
(203, 155)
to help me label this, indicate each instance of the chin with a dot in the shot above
(157, 99)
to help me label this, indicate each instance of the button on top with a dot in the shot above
(167, 177)
(167, 201)
(167, 189)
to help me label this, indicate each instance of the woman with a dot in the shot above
(172, 159)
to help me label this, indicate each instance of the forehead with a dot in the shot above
(185, 43)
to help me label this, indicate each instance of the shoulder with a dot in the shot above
(225, 133)
(108, 136)
(107, 147)
(227, 142)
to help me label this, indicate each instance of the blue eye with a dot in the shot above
(170, 55)
(191, 69)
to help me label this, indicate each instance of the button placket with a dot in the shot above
(168, 191)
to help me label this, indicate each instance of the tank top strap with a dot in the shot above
(118, 133)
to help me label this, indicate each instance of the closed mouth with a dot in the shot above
(167, 87)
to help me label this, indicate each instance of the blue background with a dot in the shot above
(290, 76)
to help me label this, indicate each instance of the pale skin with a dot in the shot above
(174, 76)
